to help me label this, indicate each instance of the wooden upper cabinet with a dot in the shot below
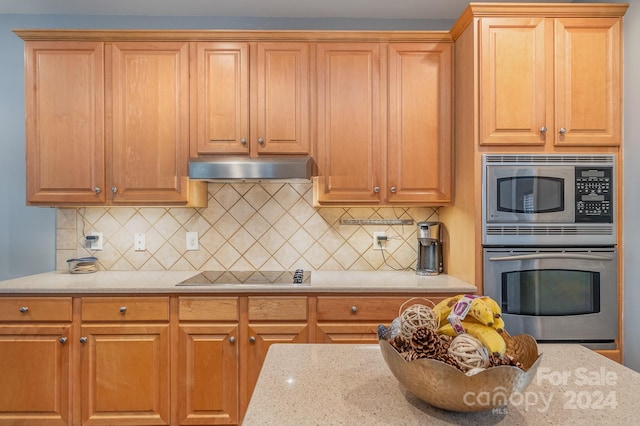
(588, 75)
(150, 141)
(419, 148)
(65, 141)
(251, 98)
(282, 98)
(222, 98)
(350, 131)
(550, 81)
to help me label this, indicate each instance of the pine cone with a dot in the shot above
(427, 343)
(400, 344)
(496, 360)
(448, 359)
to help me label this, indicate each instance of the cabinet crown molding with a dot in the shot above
(230, 35)
(546, 10)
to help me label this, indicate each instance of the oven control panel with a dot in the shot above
(594, 194)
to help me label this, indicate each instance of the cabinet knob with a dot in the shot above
(114, 189)
(543, 130)
(24, 309)
(243, 141)
(393, 189)
(562, 130)
(252, 339)
(62, 340)
(123, 309)
(261, 141)
(232, 339)
(97, 190)
(83, 340)
(376, 189)
(354, 309)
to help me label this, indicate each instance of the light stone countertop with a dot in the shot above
(102, 282)
(318, 384)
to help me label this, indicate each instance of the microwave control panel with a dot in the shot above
(594, 195)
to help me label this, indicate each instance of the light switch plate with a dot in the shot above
(139, 242)
(192, 241)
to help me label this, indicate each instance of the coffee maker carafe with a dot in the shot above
(429, 248)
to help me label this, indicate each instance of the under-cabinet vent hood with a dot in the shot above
(230, 168)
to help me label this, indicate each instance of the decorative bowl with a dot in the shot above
(444, 386)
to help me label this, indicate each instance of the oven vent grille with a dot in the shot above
(549, 230)
(563, 159)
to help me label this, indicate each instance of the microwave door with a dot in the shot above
(524, 194)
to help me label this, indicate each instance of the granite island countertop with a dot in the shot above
(318, 384)
(153, 282)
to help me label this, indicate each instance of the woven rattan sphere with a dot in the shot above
(416, 316)
(469, 352)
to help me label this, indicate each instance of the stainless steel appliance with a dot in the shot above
(548, 200)
(237, 168)
(429, 248)
(298, 277)
(549, 237)
(556, 294)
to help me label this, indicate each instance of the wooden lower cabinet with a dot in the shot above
(125, 366)
(207, 361)
(35, 354)
(160, 360)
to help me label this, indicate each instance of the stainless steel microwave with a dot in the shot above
(548, 199)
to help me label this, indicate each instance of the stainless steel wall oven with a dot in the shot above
(549, 239)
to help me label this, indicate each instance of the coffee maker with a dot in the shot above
(429, 248)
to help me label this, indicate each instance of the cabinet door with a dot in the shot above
(516, 81)
(222, 98)
(208, 370)
(150, 141)
(282, 98)
(35, 360)
(350, 130)
(125, 373)
(419, 149)
(588, 59)
(65, 122)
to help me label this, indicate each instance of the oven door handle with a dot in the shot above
(536, 256)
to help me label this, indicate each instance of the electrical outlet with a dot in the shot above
(139, 242)
(379, 240)
(192, 241)
(96, 244)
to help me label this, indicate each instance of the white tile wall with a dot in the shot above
(246, 226)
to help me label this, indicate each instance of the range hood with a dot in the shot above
(232, 168)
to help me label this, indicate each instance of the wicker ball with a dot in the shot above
(417, 316)
(469, 352)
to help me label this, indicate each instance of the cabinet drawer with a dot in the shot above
(125, 309)
(277, 308)
(208, 309)
(35, 309)
(383, 309)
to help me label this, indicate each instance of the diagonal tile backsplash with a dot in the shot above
(246, 226)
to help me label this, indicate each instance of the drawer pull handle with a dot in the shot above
(354, 309)
(123, 309)
(83, 340)
(24, 309)
(252, 339)
(62, 340)
(232, 340)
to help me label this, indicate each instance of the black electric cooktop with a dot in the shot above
(298, 277)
